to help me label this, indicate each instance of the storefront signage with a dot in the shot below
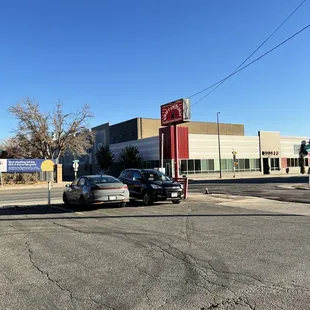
(175, 112)
(270, 153)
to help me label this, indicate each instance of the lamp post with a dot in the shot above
(219, 141)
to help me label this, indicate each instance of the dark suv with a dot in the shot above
(151, 185)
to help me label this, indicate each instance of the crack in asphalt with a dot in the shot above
(111, 232)
(30, 254)
(192, 264)
(55, 282)
(266, 284)
(195, 265)
(188, 282)
(187, 223)
(163, 304)
(230, 302)
(184, 257)
(145, 272)
(7, 277)
(102, 304)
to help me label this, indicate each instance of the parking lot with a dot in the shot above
(201, 254)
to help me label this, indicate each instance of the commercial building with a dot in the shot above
(198, 148)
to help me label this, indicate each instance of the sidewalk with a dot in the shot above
(252, 203)
(229, 176)
(302, 186)
(27, 186)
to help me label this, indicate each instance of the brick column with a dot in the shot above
(58, 173)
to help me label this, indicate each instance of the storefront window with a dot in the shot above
(229, 164)
(216, 163)
(211, 165)
(296, 163)
(241, 164)
(197, 166)
(191, 168)
(274, 163)
(183, 166)
(204, 166)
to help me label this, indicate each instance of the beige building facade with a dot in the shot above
(265, 153)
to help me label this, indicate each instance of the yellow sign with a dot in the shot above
(47, 165)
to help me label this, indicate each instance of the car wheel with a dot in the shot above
(147, 200)
(123, 204)
(82, 201)
(176, 201)
(65, 199)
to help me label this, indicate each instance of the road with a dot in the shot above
(259, 187)
(197, 255)
(24, 196)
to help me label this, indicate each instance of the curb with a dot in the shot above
(22, 186)
(302, 188)
(239, 177)
(36, 203)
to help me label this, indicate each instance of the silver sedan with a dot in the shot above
(96, 189)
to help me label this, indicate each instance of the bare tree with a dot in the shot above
(13, 149)
(46, 135)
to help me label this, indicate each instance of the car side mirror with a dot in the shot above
(68, 185)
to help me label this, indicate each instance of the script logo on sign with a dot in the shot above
(175, 112)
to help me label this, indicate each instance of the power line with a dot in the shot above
(222, 81)
(250, 63)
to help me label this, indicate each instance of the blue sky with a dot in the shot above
(126, 58)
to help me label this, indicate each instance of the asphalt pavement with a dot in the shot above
(196, 255)
(275, 188)
(231, 249)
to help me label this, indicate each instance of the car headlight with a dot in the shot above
(155, 186)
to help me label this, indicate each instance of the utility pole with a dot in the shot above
(162, 153)
(219, 141)
(176, 153)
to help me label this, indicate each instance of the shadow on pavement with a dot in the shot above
(262, 180)
(59, 209)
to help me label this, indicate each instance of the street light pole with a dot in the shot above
(219, 141)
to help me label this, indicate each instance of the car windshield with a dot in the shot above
(103, 179)
(155, 176)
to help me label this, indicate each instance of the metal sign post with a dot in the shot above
(75, 165)
(48, 167)
(49, 189)
(1, 179)
(234, 162)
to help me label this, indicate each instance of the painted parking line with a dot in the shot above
(64, 209)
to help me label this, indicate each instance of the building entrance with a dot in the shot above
(266, 168)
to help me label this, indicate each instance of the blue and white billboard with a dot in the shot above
(24, 165)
